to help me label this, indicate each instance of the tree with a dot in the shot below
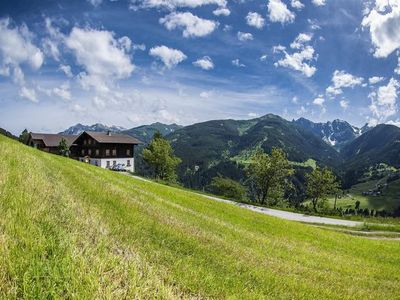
(228, 187)
(319, 184)
(268, 173)
(63, 148)
(159, 155)
(23, 137)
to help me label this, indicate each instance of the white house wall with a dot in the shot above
(102, 162)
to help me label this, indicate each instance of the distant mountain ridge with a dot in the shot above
(144, 132)
(336, 133)
(98, 127)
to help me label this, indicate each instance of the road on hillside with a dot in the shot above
(287, 215)
(281, 213)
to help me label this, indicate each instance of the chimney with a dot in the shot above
(108, 132)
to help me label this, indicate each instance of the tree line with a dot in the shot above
(268, 176)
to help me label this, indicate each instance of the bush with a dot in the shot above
(228, 188)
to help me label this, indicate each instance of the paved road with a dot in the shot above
(290, 215)
(281, 213)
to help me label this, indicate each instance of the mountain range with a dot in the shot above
(224, 146)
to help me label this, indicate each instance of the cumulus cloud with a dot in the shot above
(299, 61)
(16, 49)
(173, 4)
(383, 21)
(344, 104)
(278, 12)
(375, 80)
(384, 102)
(222, 11)
(301, 40)
(29, 94)
(319, 2)
(169, 56)
(319, 101)
(255, 19)
(102, 57)
(236, 62)
(297, 4)
(342, 79)
(263, 57)
(397, 69)
(67, 70)
(191, 25)
(205, 63)
(244, 36)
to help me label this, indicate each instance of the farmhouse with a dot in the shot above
(103, 149)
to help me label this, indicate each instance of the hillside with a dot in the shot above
(73, 230)
(224, 146)
(379, 145)
(145, 132)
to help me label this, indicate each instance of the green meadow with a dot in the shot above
(71, 230)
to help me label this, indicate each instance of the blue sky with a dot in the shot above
(133, 62)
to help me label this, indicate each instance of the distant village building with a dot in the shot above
(102, 149)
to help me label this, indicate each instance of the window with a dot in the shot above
(89, 152)
(114, 152)
(128, 162)
(84, 142)
(107, 152)
(97, 152)
(89, 141)
(108, 164)
(114, 162)
(83, 152)
(128, 152)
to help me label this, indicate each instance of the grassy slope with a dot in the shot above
(389, 200)
(72, 230)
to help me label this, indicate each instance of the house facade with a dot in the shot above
(105, 149)
(102, 149)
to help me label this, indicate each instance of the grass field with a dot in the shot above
(70, 230)
(389, 200)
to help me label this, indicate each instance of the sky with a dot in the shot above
(135, 62)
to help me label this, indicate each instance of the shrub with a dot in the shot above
(228, 188)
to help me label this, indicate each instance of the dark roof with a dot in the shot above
(53, 140)
(113, 138)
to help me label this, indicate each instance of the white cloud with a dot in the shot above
(170, 57)
(256, 20)
(344, 104)
(342, 79)
(263, 57)
(173, 4)
(397, 69)
(375, 80)
(244, 36)
(297, 4)
(103, 58)
(29, 94)
(278, 12)
(279, 48)
(67, 70)
(301, 111)
(205, 63)
(16, 49)
(319, 2)
(191, 25)
(319, 101)
(384, 101)
(206, 94)
(383, 22)
(301, 40)
(299, 61)
(222, 11)
(63, 91)
(95, 3)
(236, 62)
